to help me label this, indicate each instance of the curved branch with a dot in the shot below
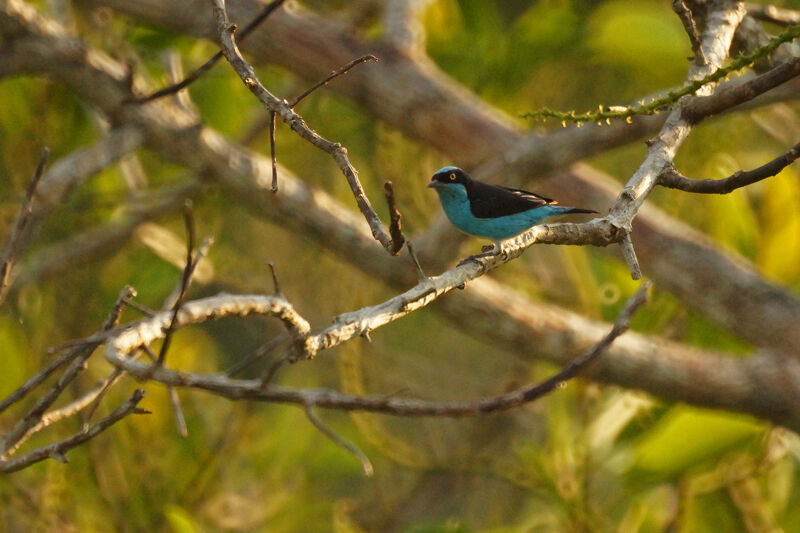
(143, 333)
(673, 179)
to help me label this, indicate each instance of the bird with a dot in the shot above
(491, 211)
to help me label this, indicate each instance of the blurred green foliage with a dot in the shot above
(587, 458)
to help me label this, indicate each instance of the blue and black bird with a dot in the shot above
(491, 211)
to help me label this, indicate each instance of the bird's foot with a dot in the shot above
(474, 258)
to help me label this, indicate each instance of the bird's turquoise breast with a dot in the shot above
(456, 206)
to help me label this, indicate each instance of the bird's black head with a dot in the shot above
(449, 175)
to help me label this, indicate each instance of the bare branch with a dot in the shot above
(700, 377)
(37, 379)
(185, 278)
(673, 179)
(205, 67)
(255, 390)
(395, 225)
(704, 107)
(403, 28)
(415, 259)
(57, 449)
(67, 173)
(276, 286)
(273, 154)
(180, 419)
(12, 245)
(23, 429)
(721, 23)
(331, 76)
(630, 256)
(296, 122)
(98, 392)
(685, 14)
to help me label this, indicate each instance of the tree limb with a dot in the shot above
(673, 179)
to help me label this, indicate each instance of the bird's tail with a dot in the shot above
(569, 210)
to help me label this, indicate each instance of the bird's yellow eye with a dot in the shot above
(452, 176)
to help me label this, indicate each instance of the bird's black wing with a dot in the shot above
(492, 201)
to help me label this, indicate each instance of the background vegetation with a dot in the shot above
(589, 457)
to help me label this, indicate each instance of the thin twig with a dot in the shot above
(276, 365)
(143, 309)
(40, 376)
(257, 354)
(331, 76)
(629, 253)
(187, 274)
(326, 430)
(395, 218)
(90, 399)
(177, 409)
(174, 399)
(273, 154)
(100, 391)
(57, 449)
(293, 103)
(685, 14)
(413, 254)
(205, 67)
(276, 286)
(22, 430)
(13, 244)
(673, 179)
(199, 255)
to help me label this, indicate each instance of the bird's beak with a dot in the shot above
(435, 184)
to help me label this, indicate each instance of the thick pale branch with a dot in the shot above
(120, 345)
(709, 369)
(200, 311)
(721, 24)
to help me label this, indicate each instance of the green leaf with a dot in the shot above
(688, 436)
